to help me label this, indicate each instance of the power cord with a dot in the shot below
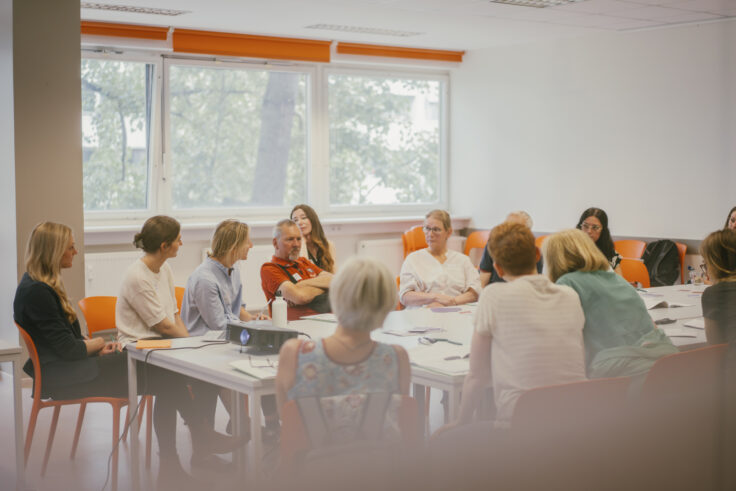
(143, 393)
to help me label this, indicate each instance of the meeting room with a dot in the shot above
(369, 243)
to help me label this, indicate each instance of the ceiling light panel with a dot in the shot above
(539, 4)
(133, 10)
(363, 30)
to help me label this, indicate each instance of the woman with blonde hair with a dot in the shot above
(719, 299)
(348, 362)
(620, 337)
(315, 245)
(71, 365)
(438, 276)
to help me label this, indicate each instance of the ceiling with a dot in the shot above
(438, 24)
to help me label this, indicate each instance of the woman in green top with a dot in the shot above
(620, 337)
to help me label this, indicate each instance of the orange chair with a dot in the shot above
(689, 371)
(399, 305)
(295, 441)
(99, 314)
(681, 249)
(540, 240)
(632, 249)
(39, 403)
(179, 292)
(413, 240)
(476, 240)
(635, 270)
(567, 405)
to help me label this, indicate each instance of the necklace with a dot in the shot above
(351, 348)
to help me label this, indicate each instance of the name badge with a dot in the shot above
(297, 277)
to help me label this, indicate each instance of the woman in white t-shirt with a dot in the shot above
(437, 276)
(146, 308)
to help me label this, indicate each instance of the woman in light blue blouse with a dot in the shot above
(620, 336)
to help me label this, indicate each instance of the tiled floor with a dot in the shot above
(88, 470)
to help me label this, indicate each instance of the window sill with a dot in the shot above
(95, 235)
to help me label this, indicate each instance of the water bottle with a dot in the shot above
(278, 311)
(691, 275)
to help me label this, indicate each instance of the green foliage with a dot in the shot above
(374, 141)
(216, 116)
(114, 98)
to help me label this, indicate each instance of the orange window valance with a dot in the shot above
(399, 52)
(124, 30)
(228, 44)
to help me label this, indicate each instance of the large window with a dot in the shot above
(384, 140)
(202, 138)
(238, 137)
(116, 132)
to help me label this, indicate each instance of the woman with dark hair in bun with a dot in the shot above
(594, 222)
(146, 308)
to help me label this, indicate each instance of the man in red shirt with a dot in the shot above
(298, 279)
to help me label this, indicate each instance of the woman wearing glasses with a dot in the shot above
(437, 276)
(594, 222)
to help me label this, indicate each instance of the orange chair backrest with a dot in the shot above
(413, 240)
(33, 355)
(476, 240)
(540, 240)
(681, 250)
(179, 292)
(99, 313)
(635, 270)
(689, 371)
(565, 405)
(633, 249)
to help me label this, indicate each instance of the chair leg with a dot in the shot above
(78, 429)
(30, 431)
(426, 410)
(148, 407)
(115, 437)
(52, 433)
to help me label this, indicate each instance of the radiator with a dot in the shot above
(391, 251)
(250, 274)
(104, 271)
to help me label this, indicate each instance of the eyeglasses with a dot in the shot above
(587, 226)
(704, 268)
(435, 230)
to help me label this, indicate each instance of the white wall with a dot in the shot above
(640, 124)
(7, 175)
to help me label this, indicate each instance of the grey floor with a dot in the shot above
(88, 470)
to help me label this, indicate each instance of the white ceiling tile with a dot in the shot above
(691, 17)
(715, 6)
(650, 13)
(597, 6)
(617, 23)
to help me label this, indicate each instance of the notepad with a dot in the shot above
(441, 357)
(698, 323)
(153, 344)
(653, 303)
(679, 332)
(441, 310)
(261, 372)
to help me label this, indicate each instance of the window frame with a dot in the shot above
(102, 217)
(317, 140)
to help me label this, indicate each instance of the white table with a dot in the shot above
(209, 364)
(14, 354)
(683, 337)
(457, 326)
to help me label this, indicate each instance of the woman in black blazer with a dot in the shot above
(74, 367)
(71, 366)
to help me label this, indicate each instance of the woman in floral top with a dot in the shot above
(349, 361)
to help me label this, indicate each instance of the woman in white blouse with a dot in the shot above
(437, 276)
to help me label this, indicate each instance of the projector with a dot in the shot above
(258, 337)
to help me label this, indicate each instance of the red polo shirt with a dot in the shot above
(272, 276)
